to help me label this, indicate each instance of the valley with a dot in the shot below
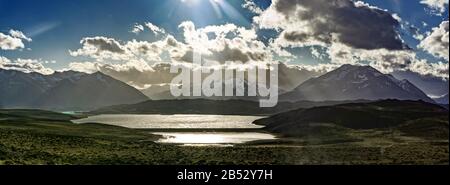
(42, 137)
(352, 115)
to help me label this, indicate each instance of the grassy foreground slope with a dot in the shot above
(41, 137)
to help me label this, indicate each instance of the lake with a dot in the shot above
(206, 138)
(191, 121)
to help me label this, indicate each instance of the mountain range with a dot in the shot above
(158, 81)
(72, 90)
(67, 90)
(345, 83)
(351, 82)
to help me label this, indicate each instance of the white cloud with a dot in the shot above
(155, 29)
(224, 43)
(107, 49)
(438, 6)
(317, 53)
(221, 43)
(388, 61)
(430, 69)
(19, 34)
(25, 65)
(137, 28)
(10, 43)
(250, 5)
(437, 42)
(13, 41)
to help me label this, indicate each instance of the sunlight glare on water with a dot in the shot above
(212, 138)
(174, 121)
(207, 138)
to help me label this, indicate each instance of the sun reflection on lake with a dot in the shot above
(212, 138)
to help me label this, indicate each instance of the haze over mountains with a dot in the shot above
(64, 90)
(355, 82)
(345, 83)
(80, 91)
(156, 84)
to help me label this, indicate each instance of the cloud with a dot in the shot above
(221, 43)
(155, 29)
(350, 33)
(144, 64)
(19, 34)
(224, 43)
(437, 42)
(103, 48)
(318, 53)
(8, 42)
(438, 6)
(388, 61)
(430, 69)
(138, 28)
(250, 5)
(324, 22)
(100, 48)
(13, 41)
(25, 65)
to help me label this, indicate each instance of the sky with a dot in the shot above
(318, 35)
(57, 26)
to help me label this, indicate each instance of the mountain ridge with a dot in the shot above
(351, 82)
(69, 90)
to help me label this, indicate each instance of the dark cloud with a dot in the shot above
(354, 24)
(104, 44)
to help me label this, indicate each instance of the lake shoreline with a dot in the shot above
(189, 128)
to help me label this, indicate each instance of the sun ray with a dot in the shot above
(215, 5)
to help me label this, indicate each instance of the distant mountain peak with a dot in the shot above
(64, 90)
(354, 82)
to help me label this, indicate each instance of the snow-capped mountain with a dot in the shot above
(355, 82)
(63, 90)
